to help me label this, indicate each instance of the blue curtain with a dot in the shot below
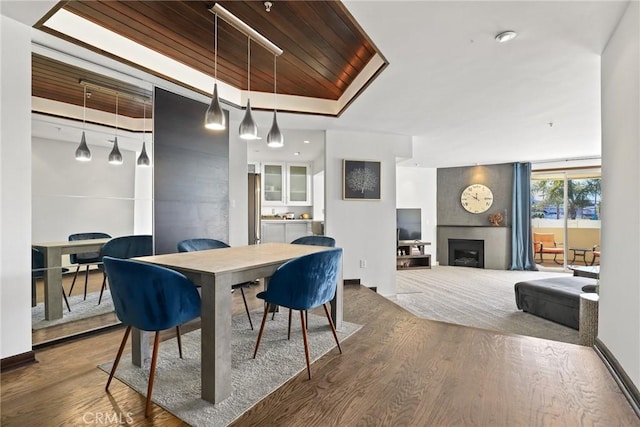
(522, 255)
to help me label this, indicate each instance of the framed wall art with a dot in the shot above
(361, 180)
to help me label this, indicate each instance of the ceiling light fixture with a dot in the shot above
(248, 127)
(215, 118)
(275, 139)
(506, 36)
(143, 159)
(115, 157)
(83, 154)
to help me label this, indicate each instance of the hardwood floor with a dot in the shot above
(397, 370)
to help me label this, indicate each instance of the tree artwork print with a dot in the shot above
(361, 180)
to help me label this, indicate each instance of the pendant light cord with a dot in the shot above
(215, 44)
(248, 66)
(84, 107)
(144, 120)
(116, 113)
(275, 98)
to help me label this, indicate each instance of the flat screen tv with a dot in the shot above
(409, 224)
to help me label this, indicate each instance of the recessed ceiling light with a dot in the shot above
(305, 141)
(505, 36)
(297, 153)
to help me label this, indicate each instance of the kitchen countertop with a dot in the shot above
(286, 220)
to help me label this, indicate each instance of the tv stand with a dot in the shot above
(410, 255)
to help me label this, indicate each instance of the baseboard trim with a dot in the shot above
(627, 387)
(17, 361)
(351, 281)
(68, 338)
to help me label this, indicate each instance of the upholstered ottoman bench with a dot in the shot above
(555, 298)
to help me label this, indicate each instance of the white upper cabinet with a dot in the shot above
(286, 184)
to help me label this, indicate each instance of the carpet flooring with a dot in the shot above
(475, 297)
(177, 383)
(80, 309)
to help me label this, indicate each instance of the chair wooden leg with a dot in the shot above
(75, 276)
(246, 307)
(306, 344)
(86, 280)
(333, 328)
(152, 373)
(65, 299)
(115, 363)
(289, 331)
(104, 286)
(179, 340)
(264, 319)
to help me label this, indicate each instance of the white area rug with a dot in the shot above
(80, 309)
(177, 381)
(476, 297)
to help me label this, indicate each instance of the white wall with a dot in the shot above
(76, 197)
(15, 185)
(619, 316)
(366, 229)
(416, 188)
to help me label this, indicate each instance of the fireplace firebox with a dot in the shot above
(466, 253)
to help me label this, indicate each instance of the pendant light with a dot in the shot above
(215, 119)
(275, 139)
(83, 154)
(143, 159)
(248, 127)
(115, 158)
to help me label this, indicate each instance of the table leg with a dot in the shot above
(337, 303)
(52, 283)
(140, 349)
(216, 338)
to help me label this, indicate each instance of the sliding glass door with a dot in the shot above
(565, 210)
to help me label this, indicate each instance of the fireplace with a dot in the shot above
(466, 253)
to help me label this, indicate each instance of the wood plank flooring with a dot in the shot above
(397, 370)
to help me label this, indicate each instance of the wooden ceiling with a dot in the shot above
(324, 48)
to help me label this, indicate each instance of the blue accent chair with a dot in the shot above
(316, 241)
(202, 244)
(301, 284)
(124, 247)
(151, 298)
(37, 270)
(86, 258)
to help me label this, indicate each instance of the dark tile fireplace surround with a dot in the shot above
(466, 253)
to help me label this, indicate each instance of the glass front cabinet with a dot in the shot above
(286, 184)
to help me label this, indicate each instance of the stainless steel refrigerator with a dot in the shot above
(254, 208)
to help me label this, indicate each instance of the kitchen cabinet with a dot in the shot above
(286, 184)
(284, 231)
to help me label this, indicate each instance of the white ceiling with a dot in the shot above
(466, 99)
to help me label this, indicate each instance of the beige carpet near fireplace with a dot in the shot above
(480, 298)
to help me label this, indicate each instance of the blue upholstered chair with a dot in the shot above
(301, 284)
(86, 258)
(192, 245)
(316, 241)
(124, 247)
(151, 298)
(37, 271)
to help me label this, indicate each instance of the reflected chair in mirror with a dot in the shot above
(124, 247)
(301, 284)
(86, 258)
(136, 288)
(315, 241)
(37, 271)
(202, 244)
(596, 254)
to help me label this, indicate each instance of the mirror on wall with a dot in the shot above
(73, 197)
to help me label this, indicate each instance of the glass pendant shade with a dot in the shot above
(115, 157)
(143, 158)
(248, 127)
(275, 138)
(82, 152)
(215, 119)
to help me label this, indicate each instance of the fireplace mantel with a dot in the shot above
(497, 243)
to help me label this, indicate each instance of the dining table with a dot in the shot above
(215, 271)
(53, 252)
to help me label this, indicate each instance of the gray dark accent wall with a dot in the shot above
(454, 222)
(191, 173)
